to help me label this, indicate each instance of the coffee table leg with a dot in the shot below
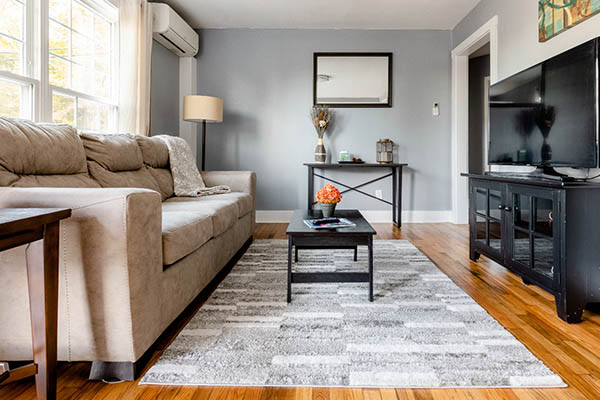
(355, 253)
(42, 277)
(289, 281)
(370, 268)
(296, 254)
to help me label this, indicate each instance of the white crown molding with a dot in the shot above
(374, 216)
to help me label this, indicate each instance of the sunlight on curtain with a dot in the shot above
(135, 61)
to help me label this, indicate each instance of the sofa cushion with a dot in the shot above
(113, 152)
(223, 211)
(40, 149)
(183, 232)
(242, 200)
(164, 179)
(154, 151)
(140, 178)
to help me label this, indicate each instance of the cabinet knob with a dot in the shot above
(500, 206)
(507, 208)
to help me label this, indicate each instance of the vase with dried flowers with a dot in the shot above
(328, 197)
(321, 117)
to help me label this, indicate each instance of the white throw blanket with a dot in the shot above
(187, 180)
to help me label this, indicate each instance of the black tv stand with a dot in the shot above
(541, 172)
(546, 231)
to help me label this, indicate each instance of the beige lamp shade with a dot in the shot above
(202, 108)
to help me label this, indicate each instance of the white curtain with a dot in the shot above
(135, 61)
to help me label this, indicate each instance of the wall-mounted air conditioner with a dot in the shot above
(170, 30)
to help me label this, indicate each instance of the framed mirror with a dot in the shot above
(352, 79)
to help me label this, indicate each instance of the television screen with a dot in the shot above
(546, 115)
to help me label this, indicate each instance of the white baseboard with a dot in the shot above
(375, 216)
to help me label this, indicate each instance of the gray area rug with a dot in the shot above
(421, 331)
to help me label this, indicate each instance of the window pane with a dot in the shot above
(101, 30)
(102, 88)
(60, 10)
(11, 55)
(59, 71)
(63, 109)
(92, 116)
(12, 19)
(15, 100)
(59, 39)
(102, 60)
(83, 19)
(82, 78)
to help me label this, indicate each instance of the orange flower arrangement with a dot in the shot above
(329, 195)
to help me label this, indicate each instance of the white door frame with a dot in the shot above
(486, 121)
(460, 110)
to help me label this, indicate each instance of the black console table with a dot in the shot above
(395, 173)
(546, 231)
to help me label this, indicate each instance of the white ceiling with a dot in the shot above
(315, 14)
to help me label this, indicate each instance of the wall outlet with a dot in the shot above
(379, 194)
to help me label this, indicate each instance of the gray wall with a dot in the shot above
(265, 80)
(518, 45)
(479, 68)
(165, 91)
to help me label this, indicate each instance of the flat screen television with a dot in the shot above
(547, 116)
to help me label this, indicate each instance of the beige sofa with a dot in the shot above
(132, 256)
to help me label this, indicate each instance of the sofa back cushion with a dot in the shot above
(41, 155)
(117, 161)
(156, 157)
(113, 152)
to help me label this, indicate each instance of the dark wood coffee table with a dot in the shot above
(303, 237)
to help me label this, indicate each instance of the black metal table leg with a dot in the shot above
(397, 196)
(394, 196)
(356, 253)
(289, 277)
(311, 187)
(370, 268)
(399, 202)
(296, 254)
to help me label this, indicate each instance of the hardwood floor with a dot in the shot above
(572, 351)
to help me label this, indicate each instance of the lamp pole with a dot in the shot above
(203, 143)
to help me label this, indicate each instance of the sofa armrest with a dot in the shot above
(110, 268)
(238, 181)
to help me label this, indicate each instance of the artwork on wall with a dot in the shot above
(556, 16)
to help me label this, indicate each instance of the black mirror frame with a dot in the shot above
(355, 54)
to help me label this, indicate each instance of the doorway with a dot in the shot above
(488, 33)
(479, 79)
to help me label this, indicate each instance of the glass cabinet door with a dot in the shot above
(532, 233)
(487, 206)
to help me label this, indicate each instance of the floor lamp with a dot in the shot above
(202, 109)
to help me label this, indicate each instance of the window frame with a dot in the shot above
(36, 58)
(31, 85)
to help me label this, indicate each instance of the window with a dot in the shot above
(80, 68)
(79, 81)
(15, 87)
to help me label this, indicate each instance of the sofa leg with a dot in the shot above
(114, 371)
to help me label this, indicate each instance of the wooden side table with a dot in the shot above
(40, 228)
